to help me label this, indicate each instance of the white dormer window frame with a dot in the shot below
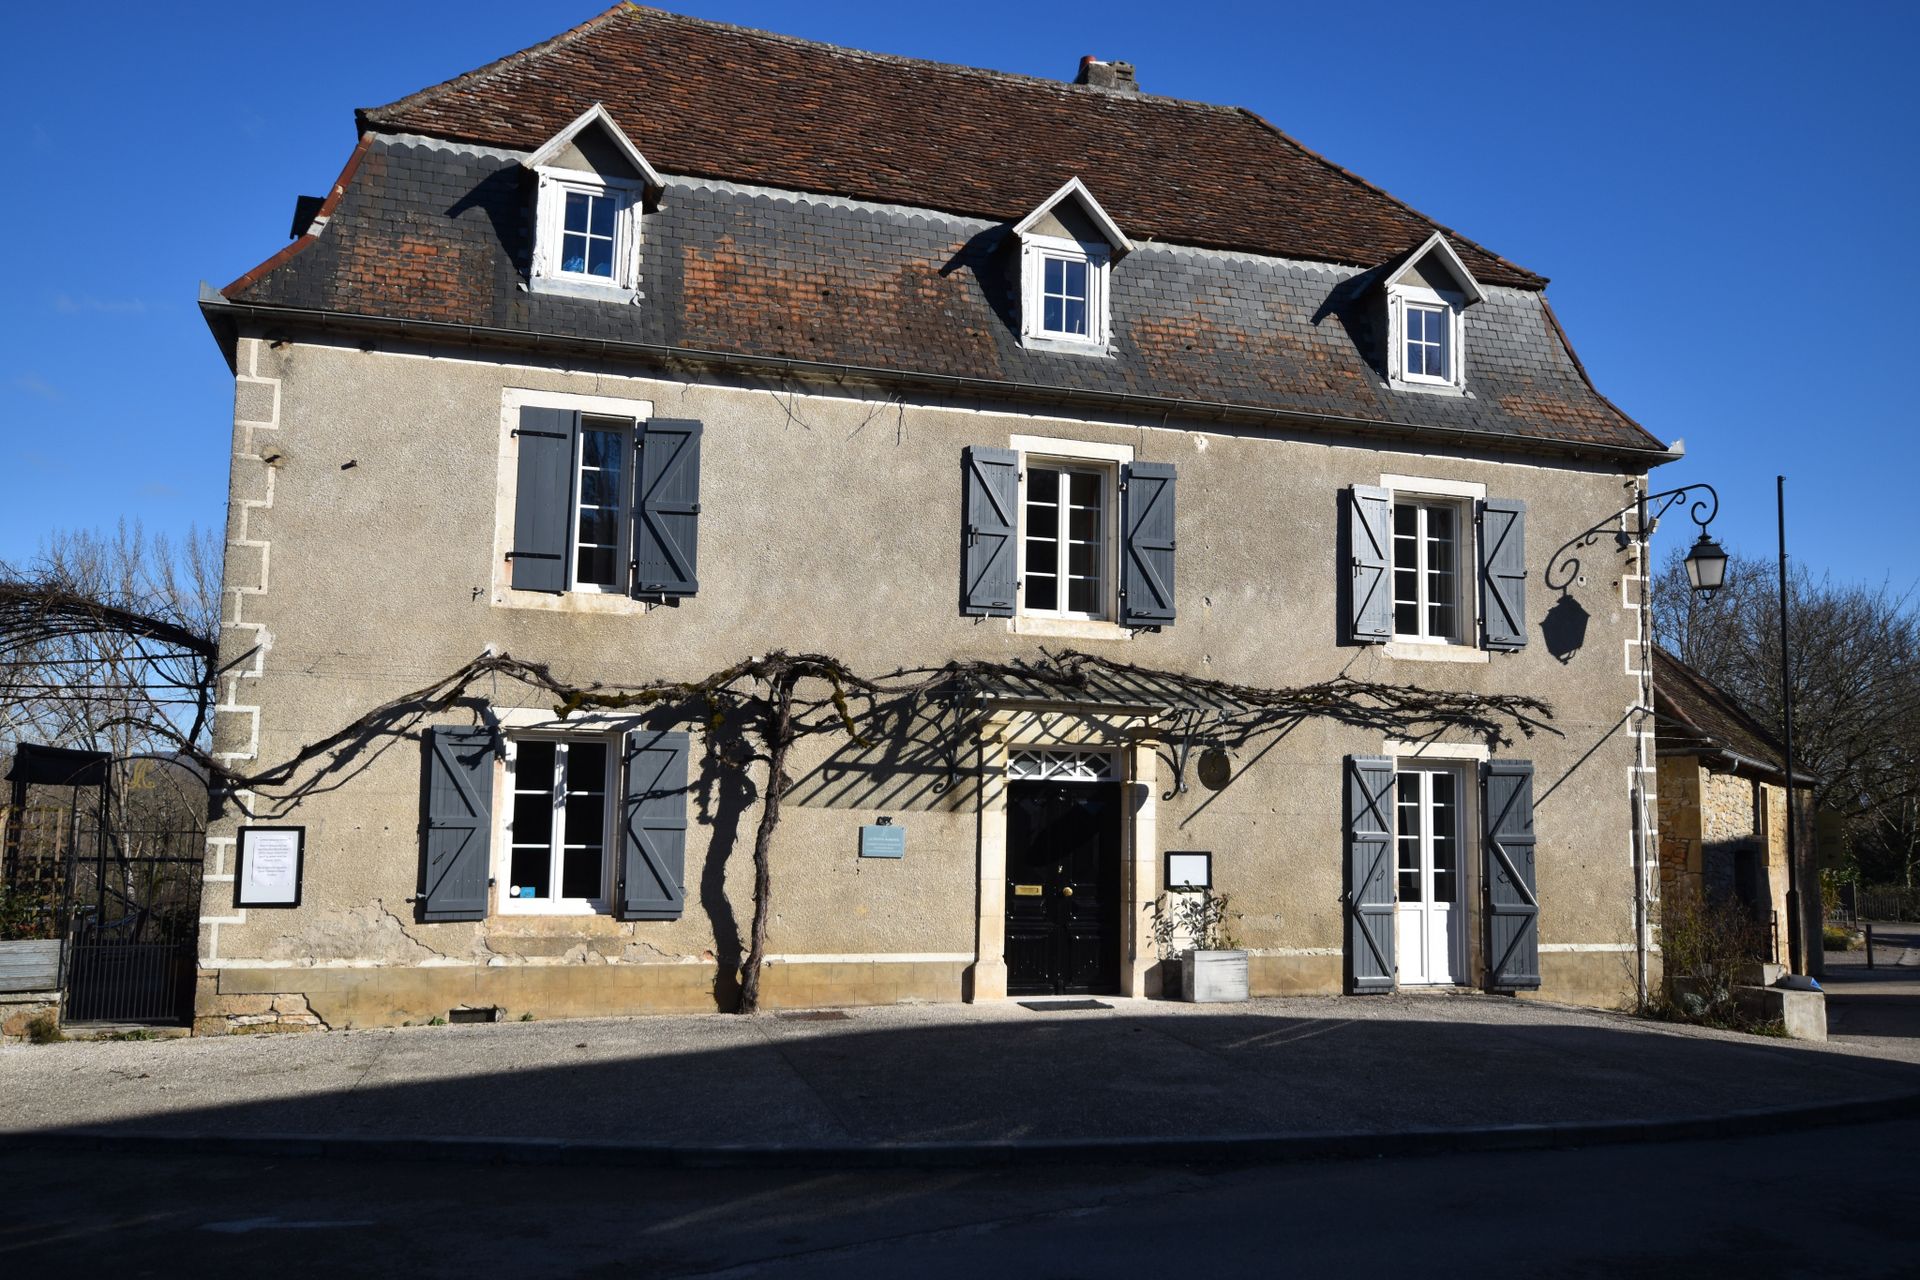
(1080, 293)
(1073, 275)
(1426, 323)
(558, 184)
(550, 224)
(1426, 327)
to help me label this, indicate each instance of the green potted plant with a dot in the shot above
(29, 943)
(1190, 928)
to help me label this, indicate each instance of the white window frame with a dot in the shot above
(623, 514)
(550, 222)
(1035, 252)
(1462, 571)
(1465, 822)
(1400, 299)
(1109, 476)
(557, 906)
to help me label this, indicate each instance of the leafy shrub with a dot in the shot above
(1836, 938)
(26, 913)
(1197, 920)
(44, 1028)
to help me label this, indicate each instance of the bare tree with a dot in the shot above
(1856, 687)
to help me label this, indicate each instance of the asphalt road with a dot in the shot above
(1835, 1202)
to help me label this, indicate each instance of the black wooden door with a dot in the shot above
(1063, 888)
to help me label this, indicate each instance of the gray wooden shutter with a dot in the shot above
(1370, 882)
(1513, 906)
(1370, 555)
(1503, 573)
(457, 831)
(543, 498)
(666, 509)
(653, 854)
(988, 579)
(1146, 556)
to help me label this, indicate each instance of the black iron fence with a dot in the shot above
(1886, 902)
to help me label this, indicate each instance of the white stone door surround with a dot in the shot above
(1125, 734)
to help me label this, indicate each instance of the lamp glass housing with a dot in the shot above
(1707, 565)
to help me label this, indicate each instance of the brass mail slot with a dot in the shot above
(1026, 891)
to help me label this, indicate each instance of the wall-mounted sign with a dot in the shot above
(883, 842)
(1216, 769)
(1189, 872)
(271, 866)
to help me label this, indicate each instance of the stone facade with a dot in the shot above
(1710, 819)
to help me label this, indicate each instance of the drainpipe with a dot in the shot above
(1642, 940)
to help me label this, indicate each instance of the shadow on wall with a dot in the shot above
(770, 1080)
(917, 757)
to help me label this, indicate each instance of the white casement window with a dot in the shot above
(602, 500)
(587, 232)
(1426, 336)
(1429, 582)
(1427, 826)
(1064, 287)
(559, 826)
(1065, 539)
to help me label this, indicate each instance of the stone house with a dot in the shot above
(665, 342)
(1722, 801)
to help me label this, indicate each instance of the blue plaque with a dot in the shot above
(883, 842)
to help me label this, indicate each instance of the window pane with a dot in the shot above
(1043, 485)
(586, 819)
(1444, 888)
(1056, 275)
(1083, 595)
(1083, 559)
(1076, 317)
(577, 210)
(1053, 316)
(573, 253)
(1083, 524)
(1043, 555)
(1076, 280)
(597, 525)
(1410, 887)
(599, 489)
(1042, 592)
(595, 565)
(533, 766)
(580, 872)
(600, 448)
(533, 818)
(1406, 618)
(601, 223)
(531, 868)
(586, 767)
(599, 257)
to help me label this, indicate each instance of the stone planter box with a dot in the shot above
(1210, 977)
(29, 966)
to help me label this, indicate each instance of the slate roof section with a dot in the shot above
(1693, 715)
(424, 231)
(706, 99)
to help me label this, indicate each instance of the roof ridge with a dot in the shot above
(363, 116)
(628, 8)
(1385, 194)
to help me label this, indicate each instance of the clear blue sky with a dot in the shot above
(1723, 194)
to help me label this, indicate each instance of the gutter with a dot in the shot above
(223, 315)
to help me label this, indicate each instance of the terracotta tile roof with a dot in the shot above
(1693, 714)
(704, 99)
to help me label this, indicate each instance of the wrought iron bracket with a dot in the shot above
(1564, 567)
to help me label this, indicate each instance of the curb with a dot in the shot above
(1233, 1149)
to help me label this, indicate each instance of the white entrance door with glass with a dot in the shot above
(1429, 927)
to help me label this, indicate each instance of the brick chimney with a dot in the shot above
(1117, 76)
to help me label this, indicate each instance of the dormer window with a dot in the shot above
(593, 185)
(1067, 248)
(1427, 296)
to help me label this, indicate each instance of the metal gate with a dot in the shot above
(128, 841)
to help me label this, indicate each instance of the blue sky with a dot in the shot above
(1724, 196)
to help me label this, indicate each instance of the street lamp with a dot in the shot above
(1706, 565)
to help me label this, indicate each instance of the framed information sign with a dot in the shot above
(1189, 872)
(270, 867)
